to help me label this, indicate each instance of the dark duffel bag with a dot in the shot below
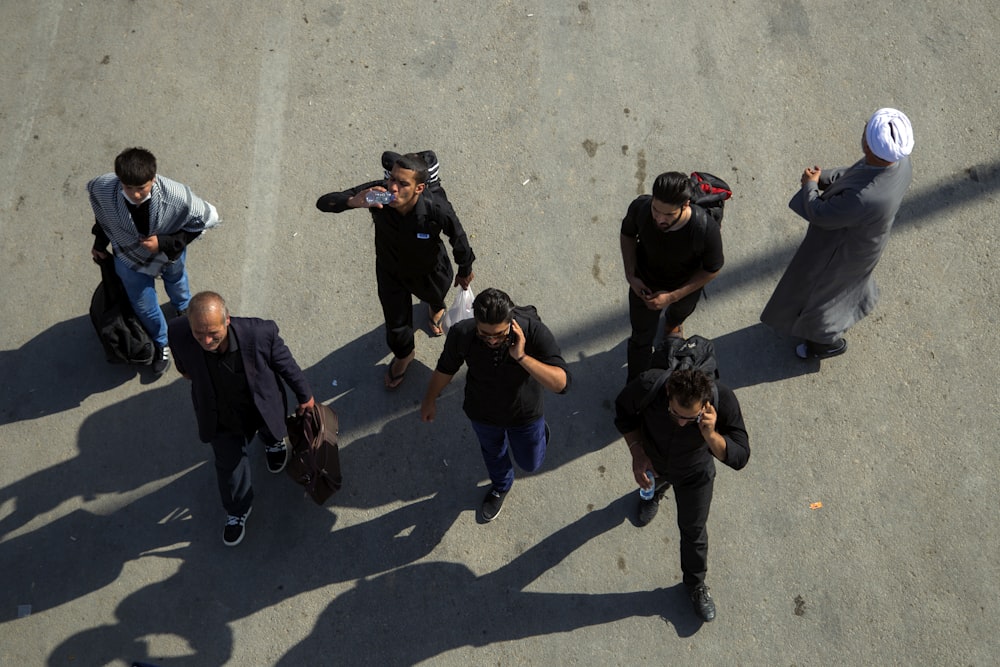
(315, 456)
(121, 333)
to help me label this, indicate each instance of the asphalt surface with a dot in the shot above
(548, 118)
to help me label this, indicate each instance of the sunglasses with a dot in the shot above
(493, 336)
(682, 418)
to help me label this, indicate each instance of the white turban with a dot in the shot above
(889, 134)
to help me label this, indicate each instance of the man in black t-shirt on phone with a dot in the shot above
(512, 357)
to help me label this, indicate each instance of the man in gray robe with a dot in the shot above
(828, 285)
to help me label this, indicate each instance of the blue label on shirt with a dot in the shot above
(421, 235)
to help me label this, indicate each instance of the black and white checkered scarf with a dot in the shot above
(172, 207)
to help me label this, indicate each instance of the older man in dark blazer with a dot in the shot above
(236, 366)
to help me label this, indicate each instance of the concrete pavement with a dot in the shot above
(548, 119)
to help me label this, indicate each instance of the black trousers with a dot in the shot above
(232, 469)
(644, 324)
(396, 293)
(694, 499)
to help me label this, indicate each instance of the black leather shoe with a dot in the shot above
(811, 350)
(703, 603)
(648, 510)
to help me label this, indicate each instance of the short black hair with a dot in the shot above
(689, 387)
(414, 163)
(492, 307)
(673, 188)
(135, 166)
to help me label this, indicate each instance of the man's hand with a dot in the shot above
(811, 174)
(517, 341)
(428, 409)
(639, 287)
(358, 200)
(303, 407)
(464, 282)
(151, 243)
(716, 443)
(98, 255)
(707, 422)
(658, 300)
(640, 464)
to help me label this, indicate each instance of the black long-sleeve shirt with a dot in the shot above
(410, 245)
(677, 451)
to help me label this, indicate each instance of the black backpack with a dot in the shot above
(712, 193)
(697, 353)
(433, 167)
(119, 330)
(711, 196)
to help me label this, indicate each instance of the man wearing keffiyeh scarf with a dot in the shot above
(149, 220)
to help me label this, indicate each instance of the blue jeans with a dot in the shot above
(526, 443)
(141, 290)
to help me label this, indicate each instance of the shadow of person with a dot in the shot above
(397, 613)
(755, 355)
(431, 474)
(428, 609)
(360, 366)
(391, 469)
(582, 421)
(55, 371)
(83, 552)
(121, 448)
(214, 587)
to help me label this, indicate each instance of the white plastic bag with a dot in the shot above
(460, 310)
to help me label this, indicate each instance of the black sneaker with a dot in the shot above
(493, 503)
(234, 531)
(277, 456)
(702, 602)
(161, 360)
(649, 508)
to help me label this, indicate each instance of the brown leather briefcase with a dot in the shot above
(315, 456)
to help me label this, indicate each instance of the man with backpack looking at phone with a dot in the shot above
(671, 248)
(676, 424)
(512, 357)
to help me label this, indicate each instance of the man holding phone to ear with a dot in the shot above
(677, 433)
(511, 357)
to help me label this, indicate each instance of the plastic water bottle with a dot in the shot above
(379, 197)
(647, 494)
